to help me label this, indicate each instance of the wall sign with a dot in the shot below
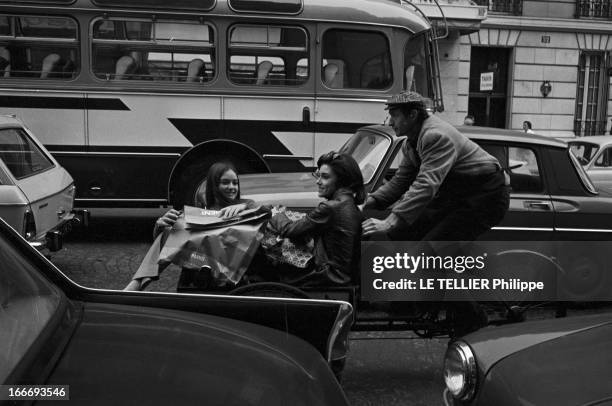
(486, 81)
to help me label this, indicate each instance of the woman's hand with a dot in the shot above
(231, 211)
(168, 219)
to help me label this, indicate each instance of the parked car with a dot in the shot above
(114, 347)
(595, 154)
(546, 362)
(552, 198)
(36, 193)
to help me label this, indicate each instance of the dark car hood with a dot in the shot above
(493, 344)
(138, 355)
(288, 189)
(570, 370)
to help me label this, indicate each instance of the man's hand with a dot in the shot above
(231, 211)
(373, 226)
(168, 219)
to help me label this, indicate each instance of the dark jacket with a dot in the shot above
(335, 226)
(436, 152)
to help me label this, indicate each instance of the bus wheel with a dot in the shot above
(270, 289)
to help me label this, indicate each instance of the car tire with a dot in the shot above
(532, 265)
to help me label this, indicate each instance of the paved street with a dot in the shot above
(391, 368)
(383, 368)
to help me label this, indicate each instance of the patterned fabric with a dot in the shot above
(282, 250)
(335, 226)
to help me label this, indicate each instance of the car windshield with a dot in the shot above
(27, 304)
(584, 151)
(368, 149)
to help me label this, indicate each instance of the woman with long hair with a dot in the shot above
(222, 193)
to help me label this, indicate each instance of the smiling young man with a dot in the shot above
(446, 188)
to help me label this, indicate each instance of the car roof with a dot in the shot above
(9, 120)
(487, 133)
(594, 139)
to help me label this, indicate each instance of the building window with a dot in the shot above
(592, 94)
(594, 8)
(503, 6)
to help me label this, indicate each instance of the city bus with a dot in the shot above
(137, 98)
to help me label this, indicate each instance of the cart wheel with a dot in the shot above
(270, 289)
(530, 265)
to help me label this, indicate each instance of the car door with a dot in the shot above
(580, 214)
(583, 229)
(530, 215)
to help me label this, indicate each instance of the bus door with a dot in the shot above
(354, 79)
(270, 70)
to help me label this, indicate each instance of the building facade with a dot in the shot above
(543, 61)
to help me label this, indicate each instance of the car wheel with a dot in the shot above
(586, 278)
(528, 266)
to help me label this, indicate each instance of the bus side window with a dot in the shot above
(363, 59)
(42, 47)
(178, 51)
(265, 55)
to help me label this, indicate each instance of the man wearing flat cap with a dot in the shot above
(446, 188)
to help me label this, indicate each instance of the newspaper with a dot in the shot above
(196, 217)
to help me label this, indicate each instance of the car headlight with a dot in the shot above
(460, 373)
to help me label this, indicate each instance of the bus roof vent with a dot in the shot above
(199, 5)
(62, 2)
(267, 6)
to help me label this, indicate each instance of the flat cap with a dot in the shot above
(405, 98)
